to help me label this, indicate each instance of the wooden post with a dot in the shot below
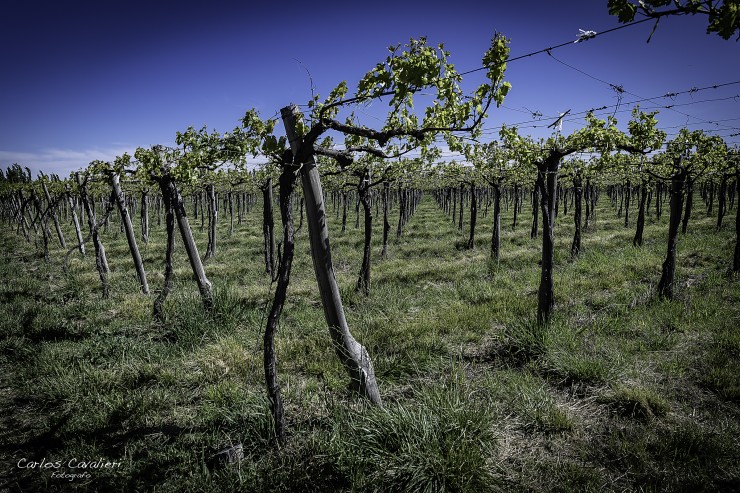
(129, 229)
(351, 353)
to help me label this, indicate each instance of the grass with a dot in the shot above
(636, 402)
(444, 440)
(621, 391)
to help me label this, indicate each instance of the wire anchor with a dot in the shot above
(585, 35)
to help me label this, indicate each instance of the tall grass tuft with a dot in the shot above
(443, 442)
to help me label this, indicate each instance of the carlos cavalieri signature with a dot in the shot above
(71, 469)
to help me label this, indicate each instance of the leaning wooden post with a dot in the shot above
(60, 235)
(129, 229)
(76, 221)
(204, 285)
(101, 260)
(351, 353)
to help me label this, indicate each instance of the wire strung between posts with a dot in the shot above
(735, 97)
(620, 90)
(583, 36)
(561, 45)
(671, 95)
(652, 99)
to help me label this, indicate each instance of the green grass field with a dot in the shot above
(622, 391)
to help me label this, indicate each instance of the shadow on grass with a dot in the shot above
(112, 441)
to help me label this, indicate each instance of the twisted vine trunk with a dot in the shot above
(689, 203)
(201, 213)
(564, 193)
(145, 217)
(23, 207)
(722, 201)
(473, 216)
(101, 261)
(547, 180)
(230, 198)
(592, 197)
(357, 213)
(363, 281)
(169, 220)
(496, 230)
(158, 209)
(21, 213)
(575, 248)
(736, 256)
(462, 203)
(665, 286)
(627, 196)
(454, 206)
(386, 222)
(535, 209)
(401, 210)
(587, 191)
(239, 208)
(268, 227)
(43, 220)
(637, 240)
(353, 356)
(285, 197)
(57, 227)
(212, 221)
(516, 206)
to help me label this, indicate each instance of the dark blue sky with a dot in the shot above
(83, 80)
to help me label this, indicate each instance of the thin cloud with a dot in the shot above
(63, 162)
(60, 161)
